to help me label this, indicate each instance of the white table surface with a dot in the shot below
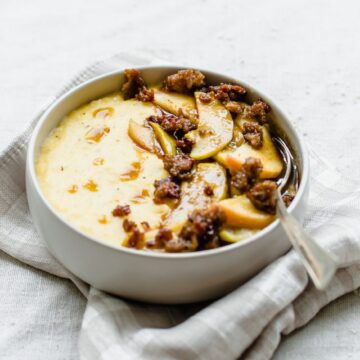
(306, 55)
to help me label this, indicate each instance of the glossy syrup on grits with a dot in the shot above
(89, 164)
(178, 167)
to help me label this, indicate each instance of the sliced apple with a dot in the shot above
(193, 195)
(244, 115)
(237, 139)
(176, 103)
(167, 142)
(233, 235)
(240, 212)
(215, 128)
(268, 155)
(142, 136)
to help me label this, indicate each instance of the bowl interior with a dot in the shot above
(110, 82)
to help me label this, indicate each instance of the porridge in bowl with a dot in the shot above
(176, 167)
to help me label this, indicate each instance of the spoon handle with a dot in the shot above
(319, 263)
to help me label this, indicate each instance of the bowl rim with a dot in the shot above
(30, 168)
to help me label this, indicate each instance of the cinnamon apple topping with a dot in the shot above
(228, 131)
(195, 159)
(184, 81)
(135, 86)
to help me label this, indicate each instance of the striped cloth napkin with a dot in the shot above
(247, 323)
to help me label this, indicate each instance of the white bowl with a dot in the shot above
(146, 276)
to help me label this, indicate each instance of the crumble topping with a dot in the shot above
(136, 239)
(200, 231)
(258, 111)
(185, 145)
(175, 125)
(184, 81)
(166, 189)
(263, 196)
(205, 97)
(129, 225)
(208, 190)
(121, 210)
(135, 86)
(234, 107)
(248, 175)
(179, 166)
(162, 237)
(253, 134)
(228, 92)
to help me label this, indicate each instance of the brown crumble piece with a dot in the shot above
(121, 210)
(166, 189)
(200, 231)
(145, 226)
(184, 81)
(179, 166)
(263, 196)
(129, 225)
(136, 239)
(287, 199)
(208, 190)
(202, 227)
(135, 86)
(162, 237)
(145, 95)
(258, 111)
(234, 107)
(248, 175)
(205, 98)
(180, 245)
(253, 134)
(134, 83)
(185, 241)
(176, 125)
(228, 92)
(185, 145)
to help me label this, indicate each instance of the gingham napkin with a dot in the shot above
(247, 323)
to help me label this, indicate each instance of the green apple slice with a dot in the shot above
(233, 235)
(193, 195)
(240, 212)
(142, 136)
(176, 103)
(215, 128)
(167, 142)
(268, 155)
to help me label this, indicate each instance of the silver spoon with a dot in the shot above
(319, 263)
